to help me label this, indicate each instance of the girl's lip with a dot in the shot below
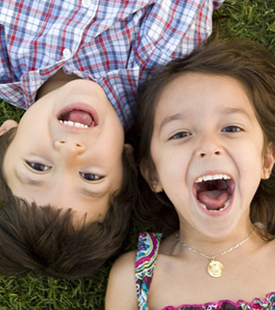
(232, 189)
(82, 107)
(213, 213)
(212, 173)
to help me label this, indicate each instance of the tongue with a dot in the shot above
(213, 200)
(78, 116)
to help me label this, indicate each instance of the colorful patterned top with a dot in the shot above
(147, 252)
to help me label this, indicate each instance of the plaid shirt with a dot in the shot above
(111, 42)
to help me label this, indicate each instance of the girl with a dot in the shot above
(207, 149)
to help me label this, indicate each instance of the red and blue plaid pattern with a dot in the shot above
(112, 42)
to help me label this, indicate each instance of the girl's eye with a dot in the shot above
(232, 129)
(38, 166)
(180, 135)
(90, 176)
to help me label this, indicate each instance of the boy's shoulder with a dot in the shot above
(121, 290)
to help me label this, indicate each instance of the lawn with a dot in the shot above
(247, 19)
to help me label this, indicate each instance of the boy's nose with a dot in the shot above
(69, 148)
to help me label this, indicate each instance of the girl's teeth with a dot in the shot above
(227, 203)
(70, 123)
(212, 177)
(221, 209)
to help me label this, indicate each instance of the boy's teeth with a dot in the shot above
(70, 123)
(212, 177)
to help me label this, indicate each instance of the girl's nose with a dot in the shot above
(204, 153)
(209, 146)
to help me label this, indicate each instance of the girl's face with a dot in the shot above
(207, 147)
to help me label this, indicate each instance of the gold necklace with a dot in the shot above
(215, 268)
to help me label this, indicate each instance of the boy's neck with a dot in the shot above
(57, 80)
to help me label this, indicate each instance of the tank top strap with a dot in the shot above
(147, 251)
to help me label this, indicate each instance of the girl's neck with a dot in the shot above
(213, 244)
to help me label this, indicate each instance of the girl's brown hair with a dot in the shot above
(246, 61)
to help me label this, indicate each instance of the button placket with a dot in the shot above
(86, 3)
(67, 53)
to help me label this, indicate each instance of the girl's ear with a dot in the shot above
(7, 125)
(269, 160)
(151, 177)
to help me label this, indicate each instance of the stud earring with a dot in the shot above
(266, 173)
(154, 186)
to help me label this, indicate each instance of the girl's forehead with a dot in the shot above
(192, 91)
(196, 96)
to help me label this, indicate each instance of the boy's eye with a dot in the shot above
(232, 129)
(90, 176)
(181, 134)
(38, 166)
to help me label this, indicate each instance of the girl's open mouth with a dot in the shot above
(214, 192)
(77, 118)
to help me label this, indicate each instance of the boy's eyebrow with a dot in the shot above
(84, 191)
(27, 180)
(91, 193)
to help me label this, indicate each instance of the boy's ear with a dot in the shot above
(151, 177)
(7, 125)
(130, 156)
(269, 160)
(129, 151)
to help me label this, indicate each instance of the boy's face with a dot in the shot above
(53, 161)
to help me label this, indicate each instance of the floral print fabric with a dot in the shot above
(148, 246)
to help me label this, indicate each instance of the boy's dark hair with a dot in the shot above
(254, 67)
(47, 239)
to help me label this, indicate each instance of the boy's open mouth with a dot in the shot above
(214, 192)
(77, 118)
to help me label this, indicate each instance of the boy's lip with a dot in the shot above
(81, 107)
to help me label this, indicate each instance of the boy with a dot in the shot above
(81, 63)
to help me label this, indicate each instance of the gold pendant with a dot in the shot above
(215, 268)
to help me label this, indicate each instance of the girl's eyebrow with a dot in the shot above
(174, 117)
(181, 116)
(231, 110)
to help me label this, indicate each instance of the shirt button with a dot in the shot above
(86, 3)
(67, 53)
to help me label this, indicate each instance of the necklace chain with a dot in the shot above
(214, 256)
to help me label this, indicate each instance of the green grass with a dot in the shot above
(247, 19)
(40, 292)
